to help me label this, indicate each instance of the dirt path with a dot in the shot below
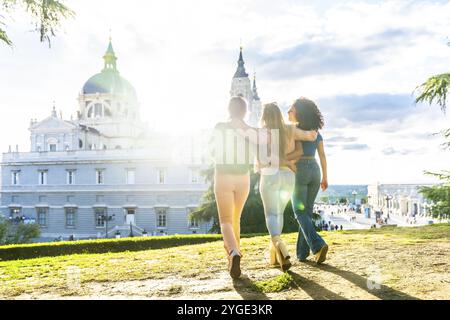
(354, 271)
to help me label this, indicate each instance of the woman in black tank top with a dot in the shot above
(233, 159)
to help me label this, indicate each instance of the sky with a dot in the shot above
(359, 60)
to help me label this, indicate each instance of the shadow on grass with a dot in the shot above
(313, 289)
(384, 292)
(244, 286)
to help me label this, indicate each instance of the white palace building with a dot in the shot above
(403, 200)
(105, 173)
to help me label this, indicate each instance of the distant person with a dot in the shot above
(342, 227)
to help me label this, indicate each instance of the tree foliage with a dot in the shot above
(440, 198)
(15, 233)
(434, 90)
(46, 16)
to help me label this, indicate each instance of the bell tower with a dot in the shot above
(240, 84)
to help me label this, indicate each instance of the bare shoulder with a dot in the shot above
(221, 125)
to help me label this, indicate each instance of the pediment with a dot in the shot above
(53, 123)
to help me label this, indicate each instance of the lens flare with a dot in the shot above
(301, 206)
(284, 195)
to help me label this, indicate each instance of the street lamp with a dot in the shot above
(388, 197)
(107, 218)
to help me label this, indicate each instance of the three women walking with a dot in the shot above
(288, 170)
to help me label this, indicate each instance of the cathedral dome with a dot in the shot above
(109, 80)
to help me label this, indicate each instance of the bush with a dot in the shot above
(36, 250)
(11, 233)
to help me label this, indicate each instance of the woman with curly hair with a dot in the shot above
(307, 115)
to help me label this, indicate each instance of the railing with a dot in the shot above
(130, 227)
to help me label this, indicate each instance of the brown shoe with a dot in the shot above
(234, 265)
(321, 255)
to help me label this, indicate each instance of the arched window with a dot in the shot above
(98, 110)
(107, 112)
(95, 111)
(80, 143)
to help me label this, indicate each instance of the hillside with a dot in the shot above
(391, 263)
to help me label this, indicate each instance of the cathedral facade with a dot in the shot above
(104, 173)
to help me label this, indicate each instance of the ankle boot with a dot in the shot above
(273, 261)
(282, 253)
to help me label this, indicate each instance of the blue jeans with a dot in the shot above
(307, 184)
(276, 190)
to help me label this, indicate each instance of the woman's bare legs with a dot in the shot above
(231, 192)
(242, 189)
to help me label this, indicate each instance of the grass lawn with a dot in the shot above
(387, 263)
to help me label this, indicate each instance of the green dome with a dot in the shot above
(109, 81)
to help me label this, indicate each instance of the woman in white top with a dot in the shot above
(278, 175)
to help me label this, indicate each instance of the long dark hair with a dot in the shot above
(308, 114)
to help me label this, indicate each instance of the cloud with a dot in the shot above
(311, 58)
(355, 146)
(390, 151)
(341, 139)
(371, 108)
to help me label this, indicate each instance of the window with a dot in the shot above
(69, 199)
(161, 218)
(70, 176)
(195, 177)
(15, 177)
(95, 111)
(99, 175)
(161, 176)
(193, 223)
(42, 216)
(100, 217)
(15, 213)
(131, 176)
(42, 177)
(52, 147)
(70, 217)
(42, 199)
(98, 110)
